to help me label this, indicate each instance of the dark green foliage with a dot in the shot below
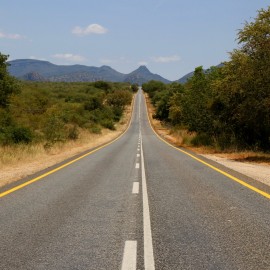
(106, 86)
(228, 106)
(108, 123)
(21, 135)
(54, 129)
(15, 135)
(135, 87)
(117, 112)
(119, 98)
(96, 129)
(202, 139)
(94, 102)
(73, 133)
(152, 87)
(54, 112)
(10, 132)
(8, 84)
(161, 101)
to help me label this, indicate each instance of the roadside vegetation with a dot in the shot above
(35, 115)
(225, 107)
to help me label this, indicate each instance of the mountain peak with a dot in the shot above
(105, 67)
(142, 75)
(143, 69)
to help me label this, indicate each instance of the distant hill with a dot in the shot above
(37, 70)
(143, 75)
(185, 78)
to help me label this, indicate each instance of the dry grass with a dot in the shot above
(247, 156)
(19, 161)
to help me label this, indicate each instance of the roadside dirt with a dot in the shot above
(254, 165)
(41, 159)
(260, 172)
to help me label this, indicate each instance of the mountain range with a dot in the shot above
(37, 70)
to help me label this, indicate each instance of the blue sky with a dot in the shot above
(170, 37)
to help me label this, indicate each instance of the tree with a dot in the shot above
(8, 84)
(119, 99)
(161, 100)
(176, 104)
(152, 87)
(196, 114)
(243, 94)
(134, 87)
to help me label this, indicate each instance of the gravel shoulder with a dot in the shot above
(260, 172)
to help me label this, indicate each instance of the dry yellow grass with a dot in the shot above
(247, 156)
(19, 161)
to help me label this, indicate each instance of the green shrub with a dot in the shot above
(96, 129)
(108, 123)
(54, 129)
(202, 139)
(118, 112)
(22, 135)
(15, 134)
(73, 133)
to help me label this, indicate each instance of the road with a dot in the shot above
(136, 203)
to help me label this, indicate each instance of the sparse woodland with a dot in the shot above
(227, 106)
(46, 112)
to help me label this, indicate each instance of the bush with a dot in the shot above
(96, 129)
(108, 123)
(118, 112)
(54, 129)
(202, 139)
(15, 135)
(73, 133)
(102, 85)
(119, 99)
(22, 135)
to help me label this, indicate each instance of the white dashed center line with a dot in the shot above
(135, 188)
(130, 256)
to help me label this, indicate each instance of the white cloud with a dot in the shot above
(90, 29)
(118, 60)
(10, 36)
(106, 61)
(37, 58)
(69, 57)
(142, 63)
(166, 59)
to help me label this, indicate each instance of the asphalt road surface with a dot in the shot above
(136, 203)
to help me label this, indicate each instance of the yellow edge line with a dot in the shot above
(243, 183)
(5, 193)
